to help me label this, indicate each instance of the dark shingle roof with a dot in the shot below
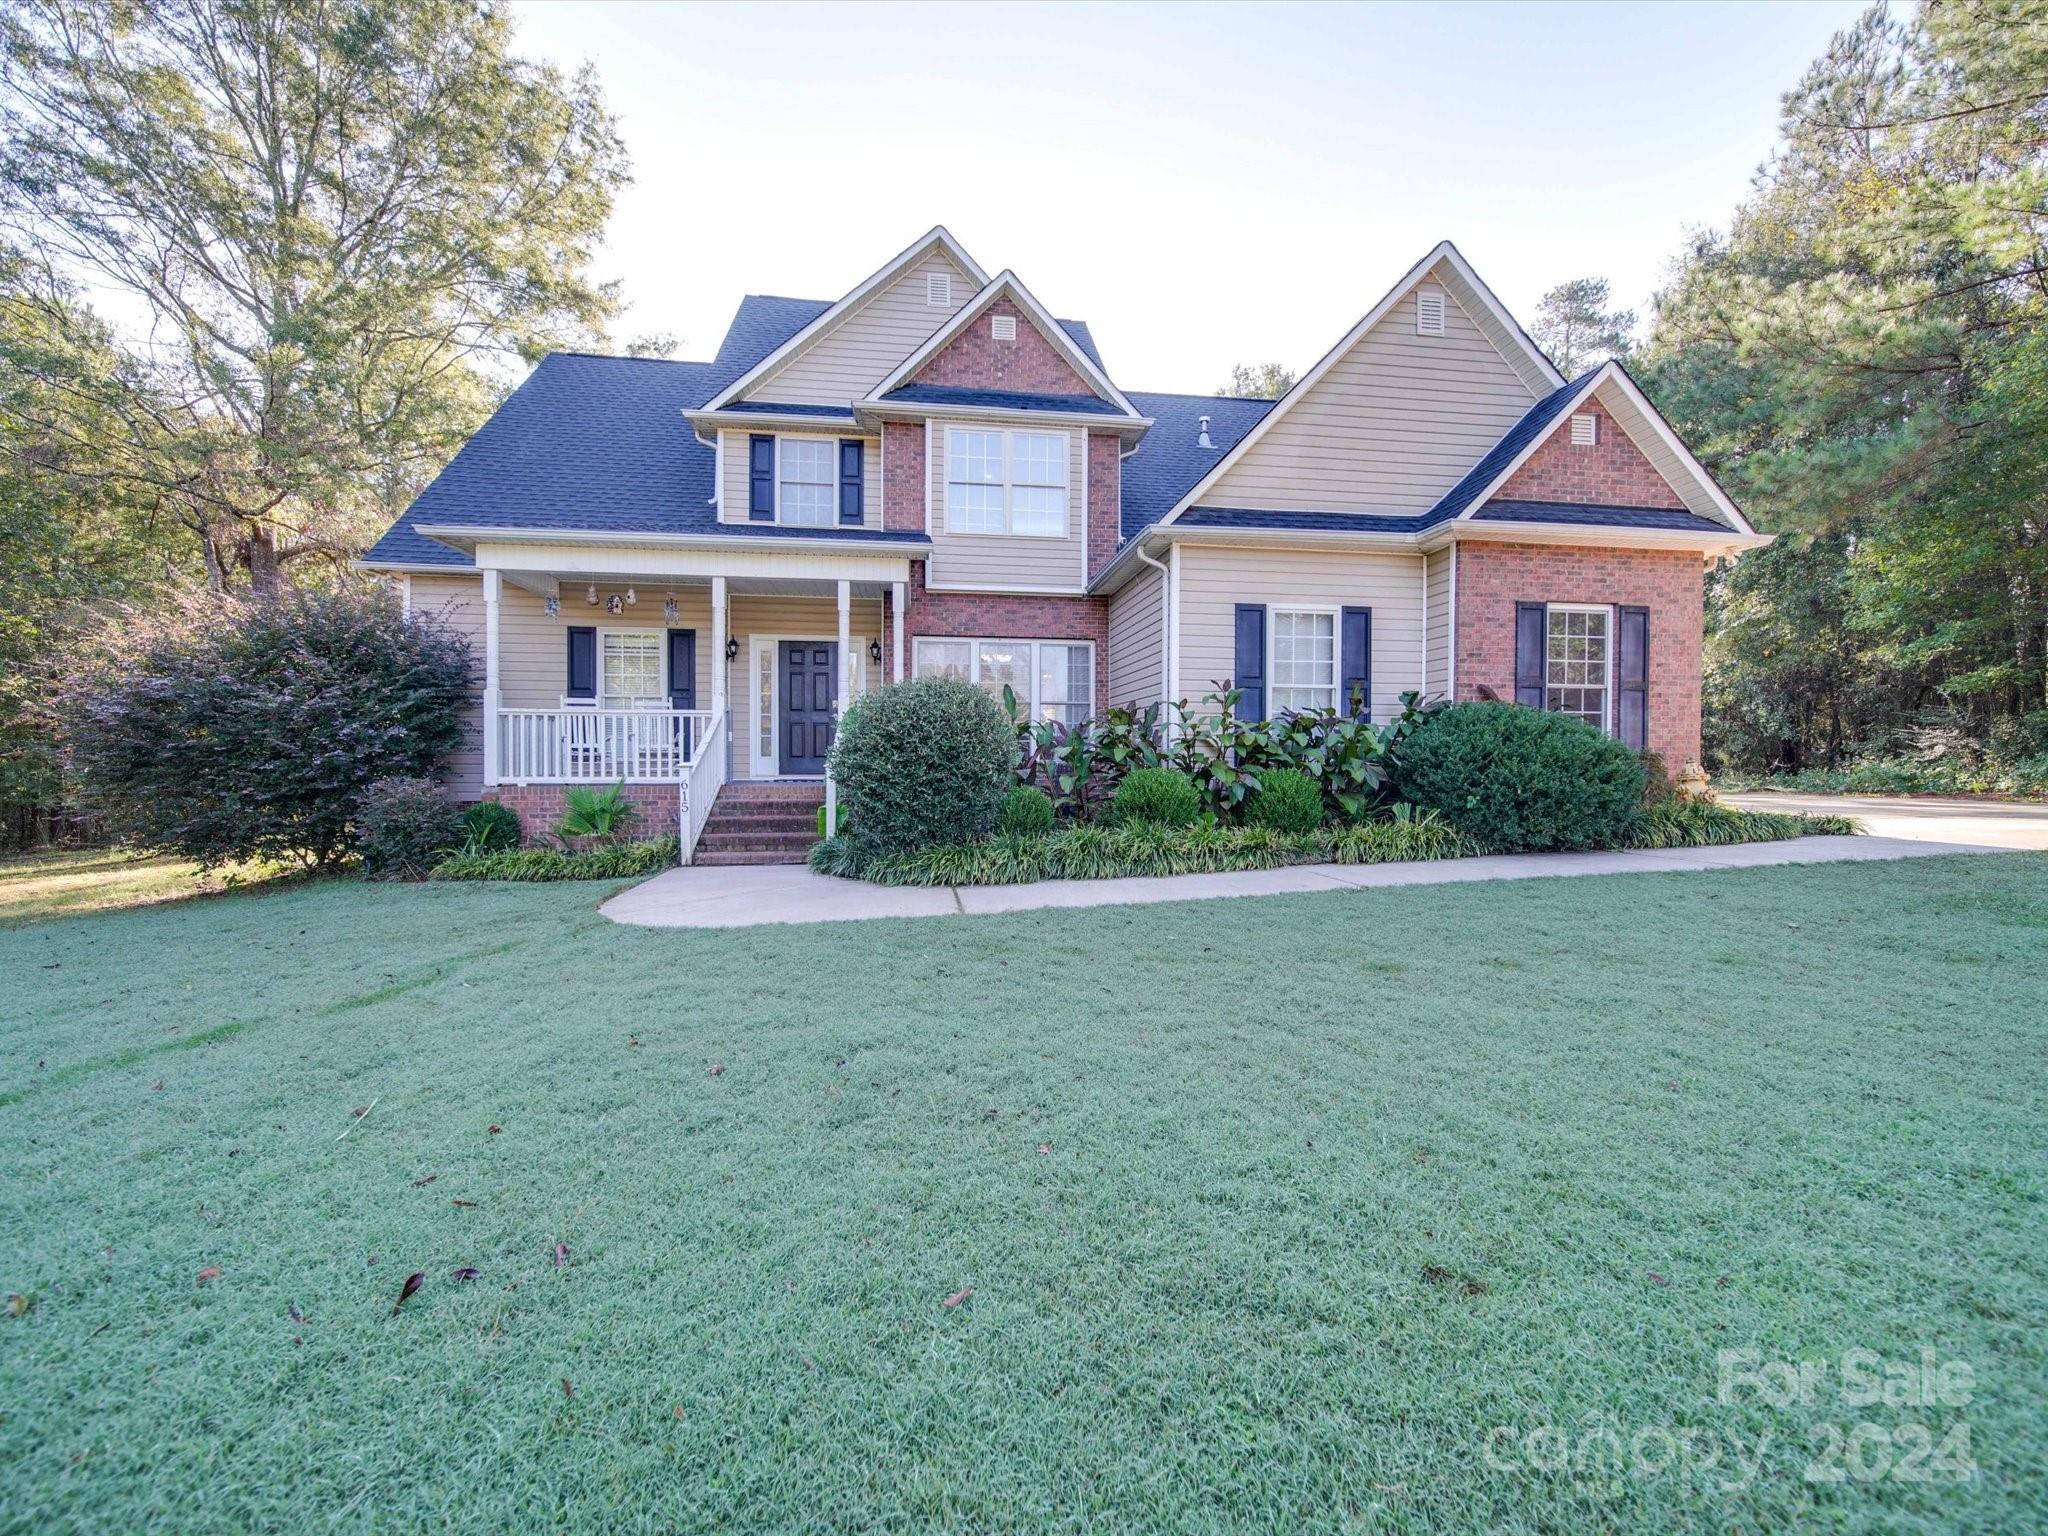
(1524, 432)
(953, 394)
(1170, 458)
(1591, 516)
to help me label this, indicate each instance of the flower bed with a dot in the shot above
(614, 861)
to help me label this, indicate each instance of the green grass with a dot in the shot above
(1272, 1209)
(75, 881)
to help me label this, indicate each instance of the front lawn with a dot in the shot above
(78, 880)
(1292, 1212)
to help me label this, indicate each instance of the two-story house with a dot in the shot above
(678, 573)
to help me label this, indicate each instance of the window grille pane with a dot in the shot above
(1038, 510)
(945, 658)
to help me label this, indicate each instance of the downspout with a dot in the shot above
(1165, 630)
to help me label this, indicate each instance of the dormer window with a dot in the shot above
(938, 289)
(1585, 431)
(1429, 312)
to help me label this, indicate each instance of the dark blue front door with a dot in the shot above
(807, 669)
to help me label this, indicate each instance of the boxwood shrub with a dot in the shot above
(1287, 800)
(922, 763)
(1027, 812)
(1161, 796)
(1522, 779)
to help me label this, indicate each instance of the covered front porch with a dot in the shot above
(685, 666)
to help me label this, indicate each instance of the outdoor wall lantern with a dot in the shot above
(875, 652)
(732, 650)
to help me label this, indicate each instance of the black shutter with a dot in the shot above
(1529, 628)
(1355, 697)
(1632, 704)
(1251, 661)
(761, 478)
(851, 454)
(582, 662)
(682, 669)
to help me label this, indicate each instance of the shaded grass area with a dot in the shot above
(1272, 1210)
(74, 881)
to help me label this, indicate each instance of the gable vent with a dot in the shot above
(938, 288)
(1003, 327)
(1429, 312)
(1585, 431)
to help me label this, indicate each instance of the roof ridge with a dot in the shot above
(625, 357)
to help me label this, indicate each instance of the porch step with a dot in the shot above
(794, 794)
(761, 824)
(797, 843)
(717, 858)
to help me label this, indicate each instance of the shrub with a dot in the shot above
(600, 813)
(250, 729)
(615, 861)
(488, 827)
(1287, 800)
(922, 763)
(1522, 779)
(403, 827)
(1027, 812)
(1162, 796)
(1657, 785)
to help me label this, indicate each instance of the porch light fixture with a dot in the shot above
(875, 652)
(669, 610)
(590, 595)
(732, 650)
(553, 605)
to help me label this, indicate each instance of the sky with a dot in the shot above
(1203, 184)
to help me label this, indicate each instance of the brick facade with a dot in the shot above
(1105, 499)
(1008, 616)
(540, 806)
(1610, 473)
(1030, 365)
(1492, 578)
(903, 476)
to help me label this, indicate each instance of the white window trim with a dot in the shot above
(1607, 704)
(762, 651)
(974, 643)
(833, 482)
(1008, 530)
(1336, 616)
(660, 634)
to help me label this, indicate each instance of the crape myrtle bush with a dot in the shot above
(1522, 779)
(252, 728)
(922, 763)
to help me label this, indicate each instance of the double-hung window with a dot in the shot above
(806, 484)
(632, 668)
(1052, 679)
(1006, 482)
(1304, 672)
(1577, 662)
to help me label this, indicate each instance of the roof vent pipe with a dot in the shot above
(1203, 439)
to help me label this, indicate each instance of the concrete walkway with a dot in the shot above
(1939, 818)
(788, 893)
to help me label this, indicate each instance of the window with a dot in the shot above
(938, 288)
(1429, 311)
(805, 489)
(632, 668)
(1576, 659)
(1304, 674)
(1053, 679)
(1007, 482)
(1585, 431)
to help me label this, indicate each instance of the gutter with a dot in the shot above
(916, 546)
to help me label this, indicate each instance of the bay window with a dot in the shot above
(1304, 670)
(1006, 482)
(1052, 679)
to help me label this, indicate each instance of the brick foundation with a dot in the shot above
(541, 806)
(1492, 578)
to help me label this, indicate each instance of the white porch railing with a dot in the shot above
(701, 785)
(602, 746)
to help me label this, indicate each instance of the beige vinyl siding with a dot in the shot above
(1135, 642)
(1437, 643)
(458, 603)
(1215, 579)
(733, 450)
(792, 618)
(1538, 382)
(864, 345)
(1390, 427)
(1000, 562)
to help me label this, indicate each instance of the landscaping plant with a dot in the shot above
(603, 814)
(489, 827)
(1027, 812)
(251, 728)
(1163, 796)
(920, 763)
(1521, 779)
(613, 861)
(1288, 801)
(404, 827)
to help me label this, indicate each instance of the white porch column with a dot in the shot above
(897, 594)
(839, 693)
(493, 587)
(718, 663)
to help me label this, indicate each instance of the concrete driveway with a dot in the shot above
(1930, 818)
